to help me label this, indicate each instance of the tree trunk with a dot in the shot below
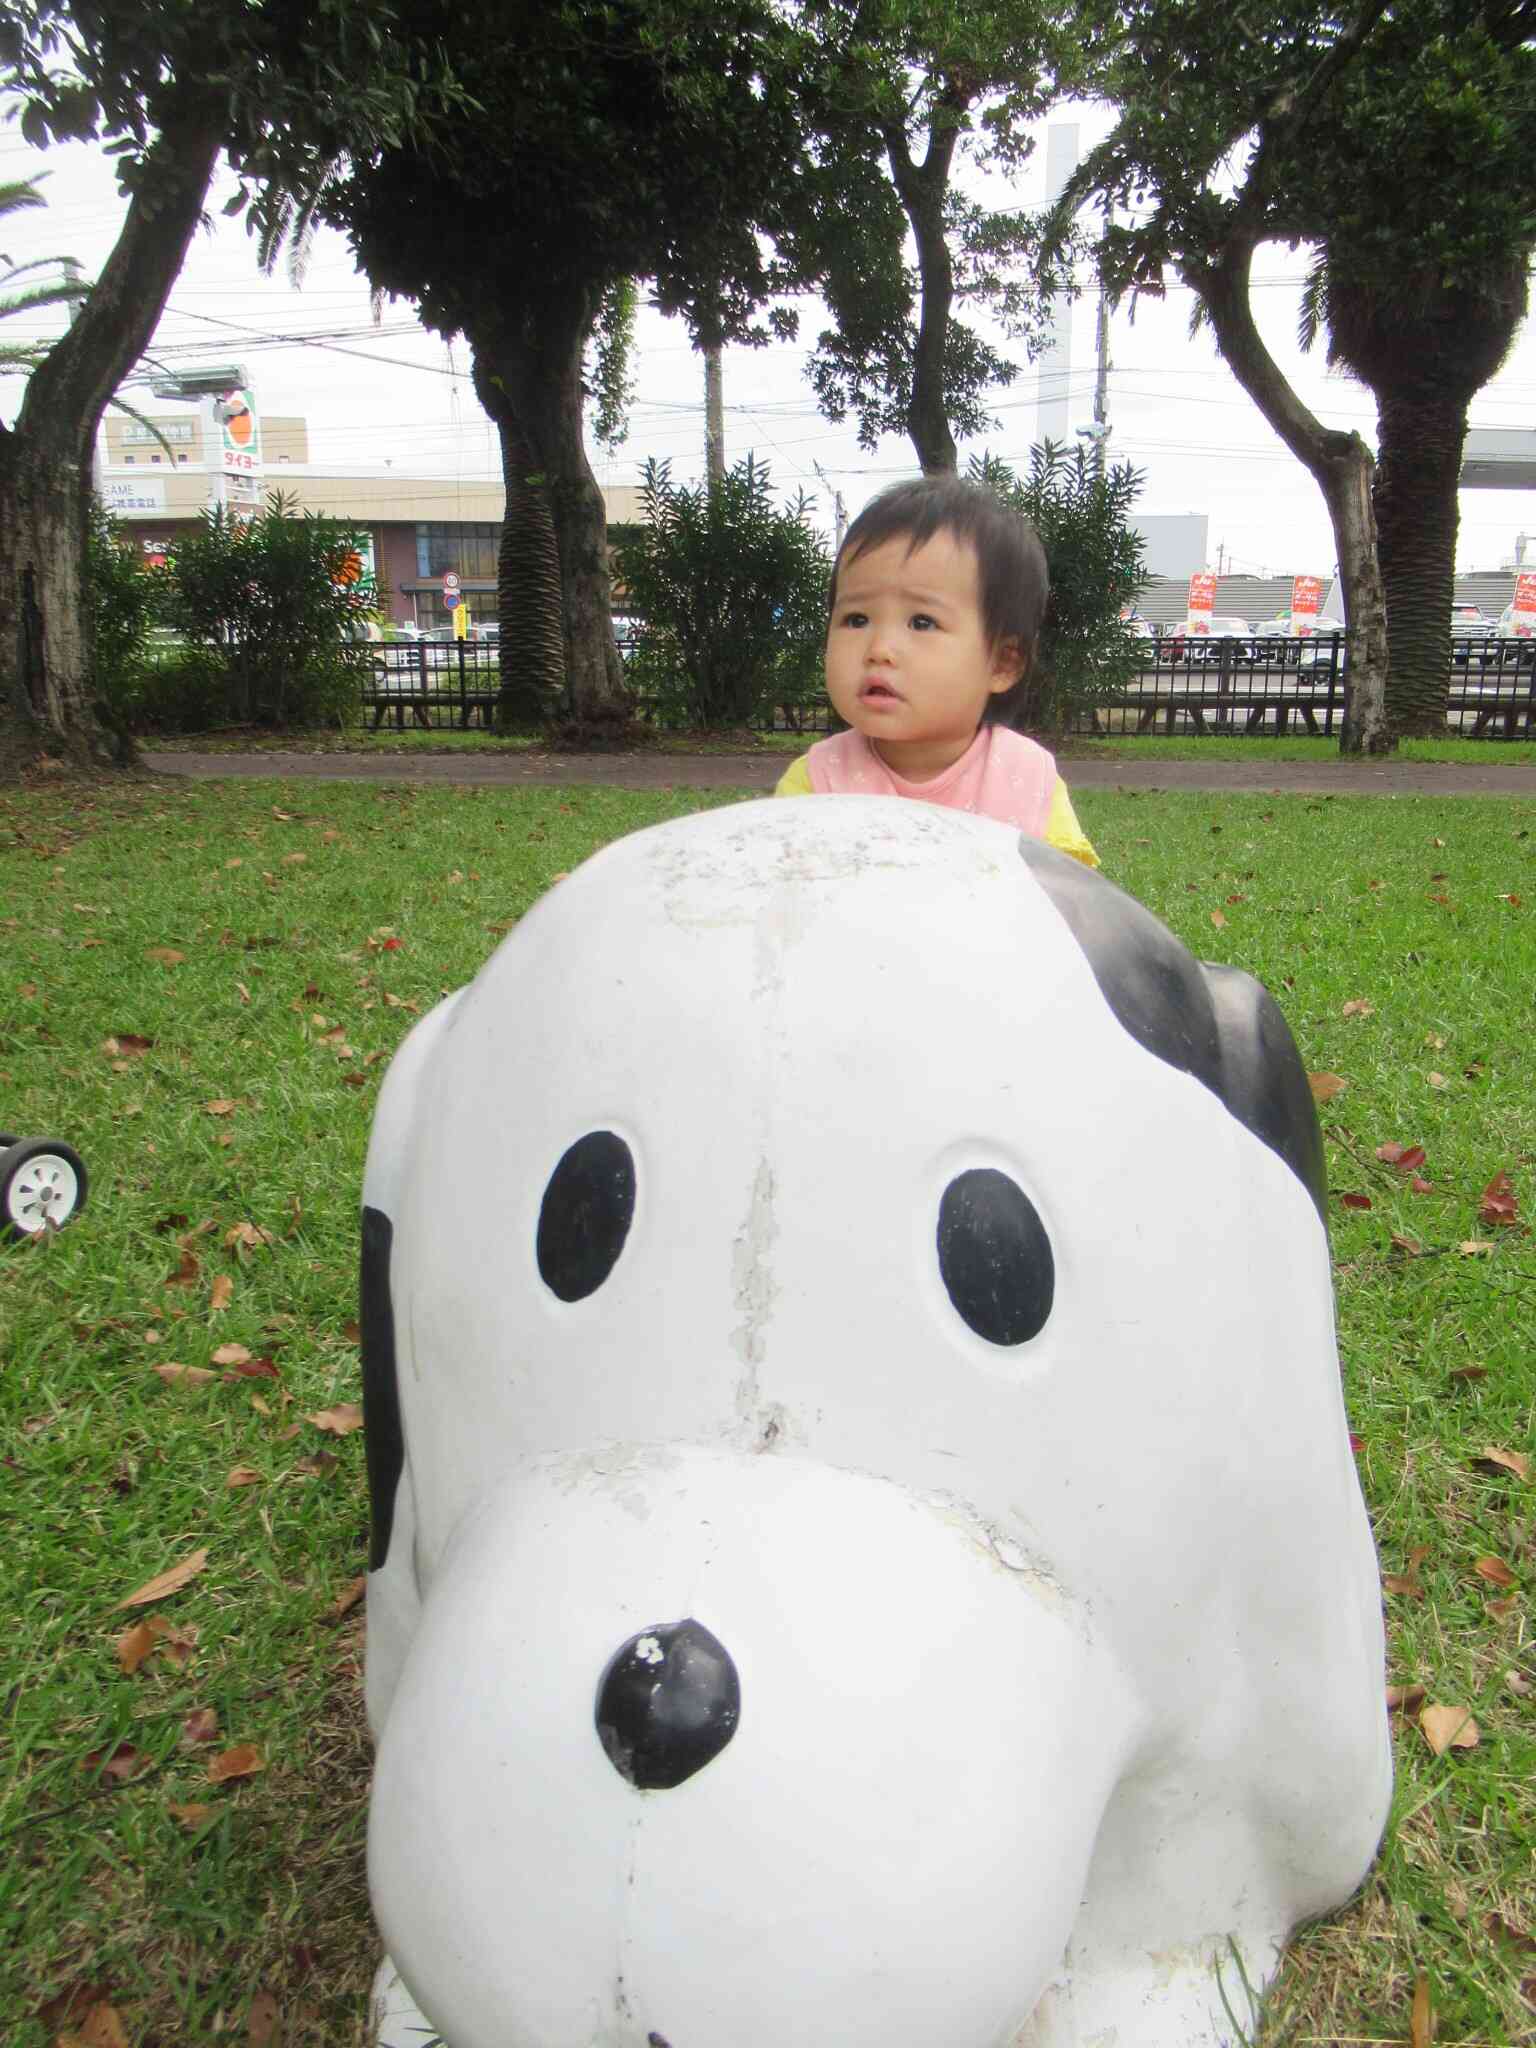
(921, 189)
(1420, 437)
(537, 355)
(1343, 468)
(528, 608)
(46, 460)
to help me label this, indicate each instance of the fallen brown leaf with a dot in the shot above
(1437, 1080)
(1325, 1086)
(102, 2028)
(133, 1646)
(1446, 1727)
(176, 1375)
(169, 1581)
(192, 1813)
(351, 1593)
(243, 1475)
(246, 1237)
(220, 1294)
(1501, 1610)
(1421, 2025)
(1496, 1572)
(1408, 1246)
(1497, 1203)
(1407, 1158)
(73, 2003)
(317, 1466)
(166, 955)
(127, 1045)
(1504, 1461)
(154, 1633)
(1402, 1699)
(1474, 1247)
(254, 1369)
(1218, 919)
(201, 1725)
(1359, 1007)
(353, 1332)
(263, 2021)
(1405, 1584)
(243, 1761)
(1469, 1372)
(120, 1763)
(340, 1420)
(1354, 1201)
(186, 1273)
(231, 1354)
(221, 1106)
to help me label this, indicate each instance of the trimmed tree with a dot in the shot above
(167, 88)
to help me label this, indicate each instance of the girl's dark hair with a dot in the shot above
(1010, 562)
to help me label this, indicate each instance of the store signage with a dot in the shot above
(1522, 613)
(126, 494)
(1202, 601)
(1306, 601)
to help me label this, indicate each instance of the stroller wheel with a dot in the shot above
(42, 1185)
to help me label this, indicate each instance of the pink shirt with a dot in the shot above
(1000, 775)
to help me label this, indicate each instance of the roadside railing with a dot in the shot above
(1201, 688)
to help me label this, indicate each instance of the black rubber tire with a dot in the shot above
(29, 1192)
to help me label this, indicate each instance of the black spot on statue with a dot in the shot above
(667, 1704)
(1216, 1023)
(994, 1257)
(585, 1215)
(383, 1440)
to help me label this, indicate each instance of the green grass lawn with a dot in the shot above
(200, 988)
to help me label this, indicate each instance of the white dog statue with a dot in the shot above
(867, 1552)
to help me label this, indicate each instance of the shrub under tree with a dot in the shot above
(731, 589)
(268, 615)
(1087, 652)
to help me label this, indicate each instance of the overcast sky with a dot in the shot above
(394, 394)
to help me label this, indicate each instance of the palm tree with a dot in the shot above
(68, 287)
(1424, 348)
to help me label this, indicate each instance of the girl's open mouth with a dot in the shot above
(878, 693)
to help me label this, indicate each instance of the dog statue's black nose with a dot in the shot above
(668, 1702)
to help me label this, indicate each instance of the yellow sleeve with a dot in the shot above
(1062, 829)
(796, 781)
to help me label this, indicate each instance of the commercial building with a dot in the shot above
(420, 527)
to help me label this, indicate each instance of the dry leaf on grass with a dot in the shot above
(1405, 1157)
(1354, 1201)
(353, 1332)
(186, 1273)
(231, 1354)
(1218, 919)
(201, 1725)
(191, 1813)
(169, 1581)
(1497, 1204)
(340, 1420)
(222, 1105)
(263, 2022)
(1402, 1699)
(121, 1763)
(243, 1761)
(147, 1636)
(166, 955)
(1359, 1007)
(1495, 1571)
(1501, 1460)
(220, 1294)
(243, 1475)
(1437, 1081)
(127, 1045)
(1422, 2021)
(1325, 1086)
(349, 1596)
(102, 2028)
(1447, 1727)
(246, 1237)
(317, 1466)
(188, 1376)
(1474, 1247)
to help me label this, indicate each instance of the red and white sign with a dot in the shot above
(1522, 613)
(1306, 601)
(450, 589)
(1202, 601)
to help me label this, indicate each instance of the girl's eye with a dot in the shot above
(922, 623)
(855, 619)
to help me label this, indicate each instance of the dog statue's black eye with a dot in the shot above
(994, 1256)
(585, 1215)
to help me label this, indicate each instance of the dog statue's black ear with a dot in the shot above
(1264, 1082)
(1216, 1023)
(383, 1439)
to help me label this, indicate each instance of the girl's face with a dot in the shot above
(908, 661)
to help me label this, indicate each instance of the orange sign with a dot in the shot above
(1202, 601)
(1306, 601)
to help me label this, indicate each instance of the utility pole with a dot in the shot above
(714, 414)
(839, 510)
(1101, 380)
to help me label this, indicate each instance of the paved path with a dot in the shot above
(761, 771)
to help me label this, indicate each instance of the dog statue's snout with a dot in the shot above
(668, 1703)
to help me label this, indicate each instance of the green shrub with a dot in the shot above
(127, 602)
(260, 602)
(731, 589)
(1095, 556)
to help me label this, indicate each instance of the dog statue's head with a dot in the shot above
(866, 1545)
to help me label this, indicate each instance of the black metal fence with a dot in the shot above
(1189, 686)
